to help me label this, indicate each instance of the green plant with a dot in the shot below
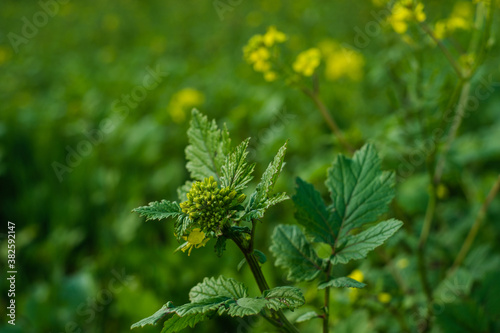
(214, 206)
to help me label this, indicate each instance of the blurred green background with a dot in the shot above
(65, 89)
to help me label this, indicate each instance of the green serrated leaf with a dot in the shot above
(156, 317)
(236, 172)
(311, 212)
(261, 199)
(342, 282)
(208, 147)
(246, 307)
(359, 189)
(357, 246)
(284, 298)
(159, 210)
(294, 252)
(203, 306)
(220, 287)
(307, 316)
(176, 323)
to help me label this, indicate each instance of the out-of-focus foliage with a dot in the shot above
(96, 98)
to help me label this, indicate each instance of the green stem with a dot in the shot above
(471, 236)
(326, 309)
(443, 48)
(328, 118)
(457, 121)
(245, 247)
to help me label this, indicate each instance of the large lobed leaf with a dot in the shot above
(208, 147)
(222, 296)
(294, 252)
(360, 192)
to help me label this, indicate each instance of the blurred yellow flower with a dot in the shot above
(403, 12)
(341, 62)
(270, 76)
(5, 54)
(402, 263)
(307, 62)
(273, 36)
(257, 52)
(384, 297)
(195, 239)
(461, 18)
(182, 102)
(357, 275)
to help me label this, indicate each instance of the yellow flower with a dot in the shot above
(183, 101)
(273, 36)
(440, 29)
(307, 62)
(195, 239)
(384, 297)
(341, 62)
(357, 275)
(403, 12)
(270, 76)
(402, 263)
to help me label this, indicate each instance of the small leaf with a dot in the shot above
(176, 323)
(307, 316)
(211, 287)
(241, 264)
(261, 199)
(293, 252)
(156, 317)
(357, 246)
(342, 282)
(159, 210)
(261, 257)
(208, 147)
(284, 298)
(311, 212)
(246, 307)
(236, 172)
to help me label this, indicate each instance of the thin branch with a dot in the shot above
(471, 236)
(457, 121)
(328, 118)
(444, 49)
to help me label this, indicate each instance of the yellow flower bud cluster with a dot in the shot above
(209, 206)
(307, 62)
(257, 52)
(403, 12)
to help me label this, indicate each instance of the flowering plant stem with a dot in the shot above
(277, 318)
(328, 118)
(326, 315)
